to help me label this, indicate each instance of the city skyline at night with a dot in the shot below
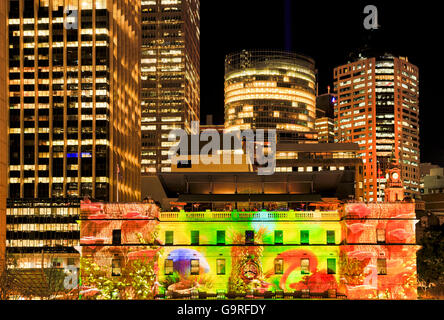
(245, 150)
(327, 33)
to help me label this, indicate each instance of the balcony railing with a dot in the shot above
(247, 215)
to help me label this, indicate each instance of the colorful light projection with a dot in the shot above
(237, 267)
(372, 256)
(379, 260)
(119, 258)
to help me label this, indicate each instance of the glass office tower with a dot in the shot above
(74, 102)
(170, 76)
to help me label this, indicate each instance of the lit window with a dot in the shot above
(220, 237)
(330, 237)
(169, 269)
(220, 266)
(380, 236)
(169, 238)
(278, 237)
(382, 266)
(116, 267)
(194, 238)
(305, 237)
(194, 267)
(278, 266)
(249, 237)
(305, 265)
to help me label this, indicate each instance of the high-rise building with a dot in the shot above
(3, 128)
(74, 102)
(170, 76)
(43, 230)
(325, 129)
(271, 90)
(325, 105)
(377, 107)
(324, 123)
(434, 181)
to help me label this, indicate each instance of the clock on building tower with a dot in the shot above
(394, 190)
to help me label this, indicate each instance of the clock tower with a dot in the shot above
(394, 191)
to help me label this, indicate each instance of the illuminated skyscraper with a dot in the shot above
(3, 127)
(378, 108)
(271, 90)
(74, 102)
(170, 76)
(324, 123)
(325, 130)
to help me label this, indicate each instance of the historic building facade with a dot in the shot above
(352, 250)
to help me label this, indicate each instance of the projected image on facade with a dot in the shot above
(356, 251)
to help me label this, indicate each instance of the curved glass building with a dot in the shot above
(270, 90)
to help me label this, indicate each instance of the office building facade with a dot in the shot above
(42, 234)
(324, 123)
(3, 128)
(325, 128)
(377, 107)
(170, 76)
(74, 102)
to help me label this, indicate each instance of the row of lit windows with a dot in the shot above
(43, 211)
(41, 227)
(23, 243)
(279, 266)
(221, 237)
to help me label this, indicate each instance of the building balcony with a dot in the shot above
(290, 215)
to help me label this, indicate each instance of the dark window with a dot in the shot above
(278, 237)
(195, 238)
(330, 237)
(220, 237)
(331, 266)
(169, 238)
(305, 237)
(249, 237)
(117, 237)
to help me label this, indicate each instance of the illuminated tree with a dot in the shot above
(8, 279)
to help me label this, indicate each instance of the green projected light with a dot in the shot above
(306, 253)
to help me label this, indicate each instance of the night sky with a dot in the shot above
(327, 31)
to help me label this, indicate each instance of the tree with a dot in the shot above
(8, 279)
(430, 259)
(45, 283)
